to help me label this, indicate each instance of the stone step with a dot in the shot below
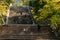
(16, 32)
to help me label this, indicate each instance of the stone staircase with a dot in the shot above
(46, 34)
(26, 32)
(21, 26)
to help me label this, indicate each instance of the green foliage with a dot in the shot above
(8, 1)
(4, 4)
(2, 19)
(46, 10)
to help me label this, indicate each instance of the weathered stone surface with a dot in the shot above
(20, 15)
(17, 31)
